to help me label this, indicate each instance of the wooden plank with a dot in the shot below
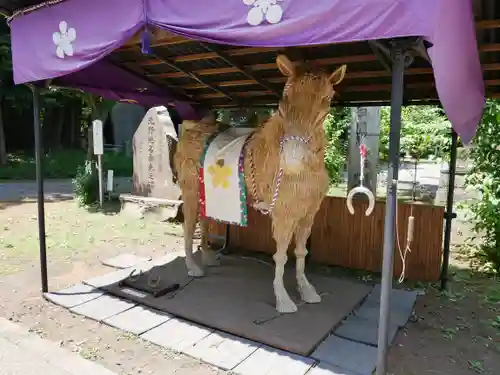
(355, 241)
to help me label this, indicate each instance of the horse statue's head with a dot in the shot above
(306, 102)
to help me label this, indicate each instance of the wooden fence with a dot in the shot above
(355, 241)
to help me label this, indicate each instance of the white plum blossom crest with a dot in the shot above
(63, 39)
(269, 10)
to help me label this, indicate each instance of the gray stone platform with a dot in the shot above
(350, 349)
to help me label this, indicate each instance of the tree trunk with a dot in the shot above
(74, 122)
(58, 131)
(3, 146)
(90, 142)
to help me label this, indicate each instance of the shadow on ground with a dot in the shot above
(52, 198)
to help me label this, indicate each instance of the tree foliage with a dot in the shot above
(425, 132)
(484, 178)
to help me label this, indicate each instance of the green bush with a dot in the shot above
(484, 177)
(61, 164)
(86, 184)
(336, 122)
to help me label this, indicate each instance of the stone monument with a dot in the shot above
(154, 183)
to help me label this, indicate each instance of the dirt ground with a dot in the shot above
(455, 333)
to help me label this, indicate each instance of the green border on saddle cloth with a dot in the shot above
(241, 172)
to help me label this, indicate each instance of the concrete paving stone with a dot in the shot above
(272, 361)
(125, 260)
(102, 307)
(167, 258)
(400, 299)
(60, 358)
(362, 330)
(326, 369)
(371, 311)
(16, 362)
(118, 275)
(22, 352)
(177, 334)
(138, 320)
(346, 354)
(73, 296)
(222, 350)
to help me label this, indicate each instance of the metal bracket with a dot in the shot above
(411, 45)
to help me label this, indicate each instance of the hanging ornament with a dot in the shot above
(363, 151)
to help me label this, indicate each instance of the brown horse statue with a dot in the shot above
(284, 172)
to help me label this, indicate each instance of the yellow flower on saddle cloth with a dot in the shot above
(220, 174)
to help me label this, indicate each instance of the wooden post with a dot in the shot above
(365, 127)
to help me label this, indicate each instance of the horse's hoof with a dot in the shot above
(309, 295)
(286, 307)
(196, 273)
(209, 258)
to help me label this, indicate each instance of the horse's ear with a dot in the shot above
(285, 66)
(338, 75)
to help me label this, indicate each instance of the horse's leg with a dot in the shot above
(282, 233)
(190, 210)
(306, 290)
(208, 256)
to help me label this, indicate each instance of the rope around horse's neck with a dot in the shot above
(279, 176)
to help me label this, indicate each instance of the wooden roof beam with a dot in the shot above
(269, 66)
(350, 89)
(488, 24)
(493, 47)
(351, 75)
(247, 72)
(192, 75)
(212, 55)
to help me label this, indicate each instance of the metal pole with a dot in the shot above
(398, 67)
(449, 215)
(101, 180)
(39, 182)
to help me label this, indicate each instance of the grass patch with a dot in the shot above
(73, 232)
(61, 164)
